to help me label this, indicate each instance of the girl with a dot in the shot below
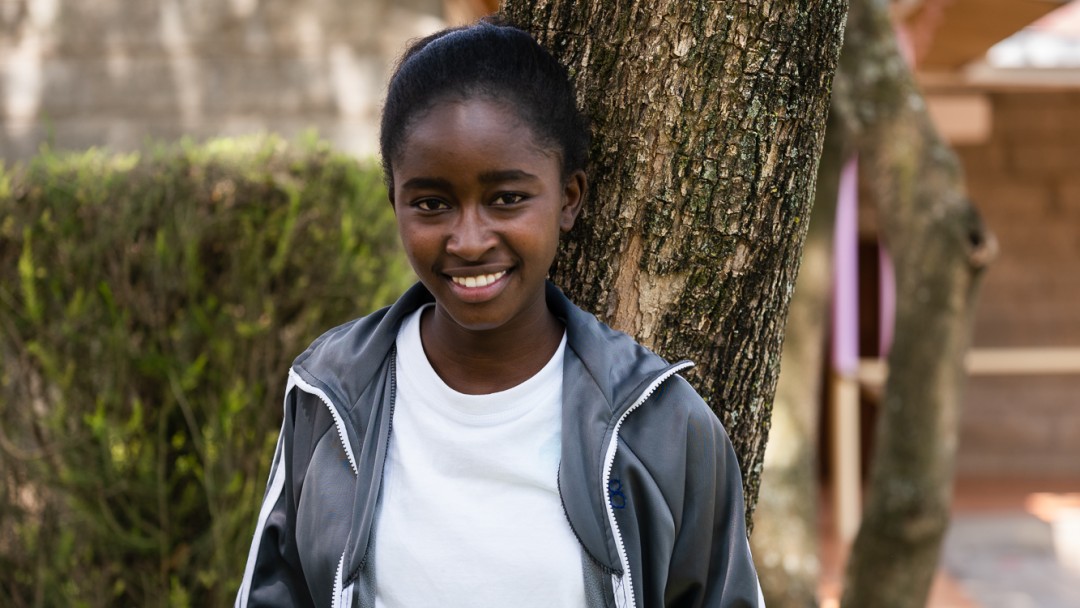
(484, 442)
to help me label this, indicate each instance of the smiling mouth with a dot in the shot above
(482, 280)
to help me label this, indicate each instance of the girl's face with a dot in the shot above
(480, 205)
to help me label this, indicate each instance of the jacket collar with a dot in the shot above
(605, 371)
(331, 361)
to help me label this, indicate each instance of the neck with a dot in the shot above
(482, 362)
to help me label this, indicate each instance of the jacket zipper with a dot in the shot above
(389, 434)
(609, 463)
(339, 423)
(339, 583)
(336, 602)
(343, 437)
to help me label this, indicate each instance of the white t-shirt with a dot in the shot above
(469, 511)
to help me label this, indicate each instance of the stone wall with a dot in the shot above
(85, 73)
(1025, 179)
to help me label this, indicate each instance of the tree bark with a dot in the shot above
(939, 246)
(785, 541)
(708, 120)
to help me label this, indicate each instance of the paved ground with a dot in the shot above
(1011, 544)
(1022, 550)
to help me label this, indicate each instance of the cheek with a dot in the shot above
(420, 245)
(545, 246)
(407, 228)
(409, 243)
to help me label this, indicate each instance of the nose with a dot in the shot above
(470, 236)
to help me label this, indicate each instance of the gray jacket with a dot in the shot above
(648, 479)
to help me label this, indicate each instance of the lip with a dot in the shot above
(474, 295)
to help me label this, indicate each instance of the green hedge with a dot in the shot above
(149, 308)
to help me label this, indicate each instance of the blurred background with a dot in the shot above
(1002, 82)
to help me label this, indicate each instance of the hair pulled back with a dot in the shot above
(495, 61)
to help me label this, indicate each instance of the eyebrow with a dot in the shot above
(507, 175)
(422, 183)
(488, 177)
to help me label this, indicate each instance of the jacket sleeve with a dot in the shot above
(273, 575)
(711, 557)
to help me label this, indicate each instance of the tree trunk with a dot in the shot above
(785, 540)
(708, 120)
(939, 246)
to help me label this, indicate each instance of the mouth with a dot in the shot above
(481, 280)
(479, 288)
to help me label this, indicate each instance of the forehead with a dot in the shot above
(471, 132)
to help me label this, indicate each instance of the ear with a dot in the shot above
(573, 196)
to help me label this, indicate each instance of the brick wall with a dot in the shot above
(114, 72)
(1026, 181)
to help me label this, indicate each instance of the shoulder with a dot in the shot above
(682, 445)
(349, 337)
(346, 358)
(678, 419)
(377, 330)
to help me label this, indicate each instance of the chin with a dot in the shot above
(478, 323)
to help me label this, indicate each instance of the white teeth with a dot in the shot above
(478, 281)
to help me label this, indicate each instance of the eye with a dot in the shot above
(508, 198)
(430, 204)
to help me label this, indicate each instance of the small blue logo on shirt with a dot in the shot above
(615, 494)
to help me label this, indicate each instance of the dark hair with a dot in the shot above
(488, 59)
